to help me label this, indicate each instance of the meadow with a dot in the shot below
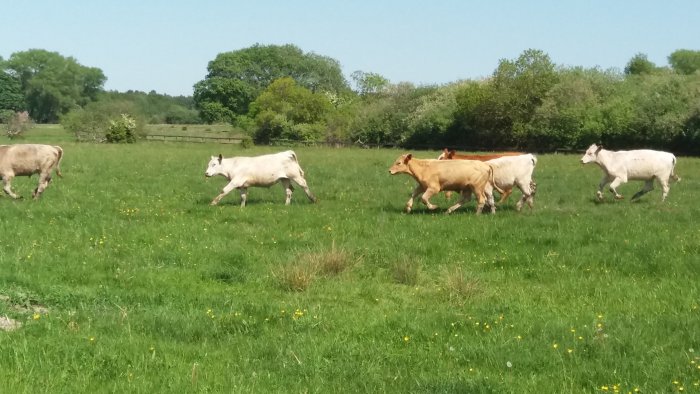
(125, 279)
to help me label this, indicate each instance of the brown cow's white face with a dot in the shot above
(591, 154)
(401, 164)
(214, 167)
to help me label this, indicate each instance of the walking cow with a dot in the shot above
(264, 170)
(434, 176)
(27, 160)
(621, 166)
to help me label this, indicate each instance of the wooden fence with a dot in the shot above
(193, 138)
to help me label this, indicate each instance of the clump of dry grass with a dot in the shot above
(405, 272)
(300, 274)
(457, 286)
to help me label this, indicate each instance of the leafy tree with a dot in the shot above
(498, 111)
(235, 79)
(287, 110)
(158, 108)
(384, 118)
(11, 97)
(639, 64)
(369, 83)
(571, 115)
(685, 61)
(52, 84)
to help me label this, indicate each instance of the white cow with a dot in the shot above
(621, 166)
(515, 171)
(264, 170)
(27, 160)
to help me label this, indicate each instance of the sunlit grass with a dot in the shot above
(124, 279)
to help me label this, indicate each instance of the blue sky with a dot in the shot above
(165, 45)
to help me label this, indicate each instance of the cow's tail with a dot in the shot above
(495, 186)
(58, 163)
(673, 170)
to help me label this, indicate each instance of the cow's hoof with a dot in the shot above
(619, 197)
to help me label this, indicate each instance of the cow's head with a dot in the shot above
(444, 154)
(214, 167)
(591, 154)
(401, 165)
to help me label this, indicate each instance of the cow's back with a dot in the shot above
(507, 169)
(27, 159)
(456, 174)
(643, 164)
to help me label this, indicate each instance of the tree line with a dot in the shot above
(280, 92)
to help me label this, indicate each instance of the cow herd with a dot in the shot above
(479, 175)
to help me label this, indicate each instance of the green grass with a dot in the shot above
(126, 280)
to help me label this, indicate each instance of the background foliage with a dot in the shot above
(281, 92)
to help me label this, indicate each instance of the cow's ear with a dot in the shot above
(599, 148)
(220, 158)
(407, 158)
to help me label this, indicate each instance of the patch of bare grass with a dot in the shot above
(298, 275)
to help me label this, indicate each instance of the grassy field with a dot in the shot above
(125, 280)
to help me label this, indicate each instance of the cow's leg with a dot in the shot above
(527, 196)
(244, 195)
(44, 180)
(426, 199)
(488, 191)
(613, 188)
(505, 195)
(648, 186)
(664, 188)
(481, 200)
(7, 186)
(601, 186)
(226, 190)
(409, 205)
(299, 180)
(464, 195)
(288, 190)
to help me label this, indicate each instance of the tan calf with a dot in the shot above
(434, 176)
(451, 154)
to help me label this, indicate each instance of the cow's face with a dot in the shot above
(444, 154)
(591, 154)
(401, 165)
(214, 167)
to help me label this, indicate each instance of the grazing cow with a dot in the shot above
(265, 171)
(434, 176)
(27, 160)
(621, 166)
(452, 155)
(515, 171)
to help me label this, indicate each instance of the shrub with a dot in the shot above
(17, 123)
(122, 130)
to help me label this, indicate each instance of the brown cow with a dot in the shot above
(434, 176)
(451, 154)
(27, 160)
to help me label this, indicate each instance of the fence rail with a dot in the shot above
(193, 138)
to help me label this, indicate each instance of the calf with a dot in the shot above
(27, 160)
(621, 166)
(433, 176)
(265, 171)
(515, 171)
